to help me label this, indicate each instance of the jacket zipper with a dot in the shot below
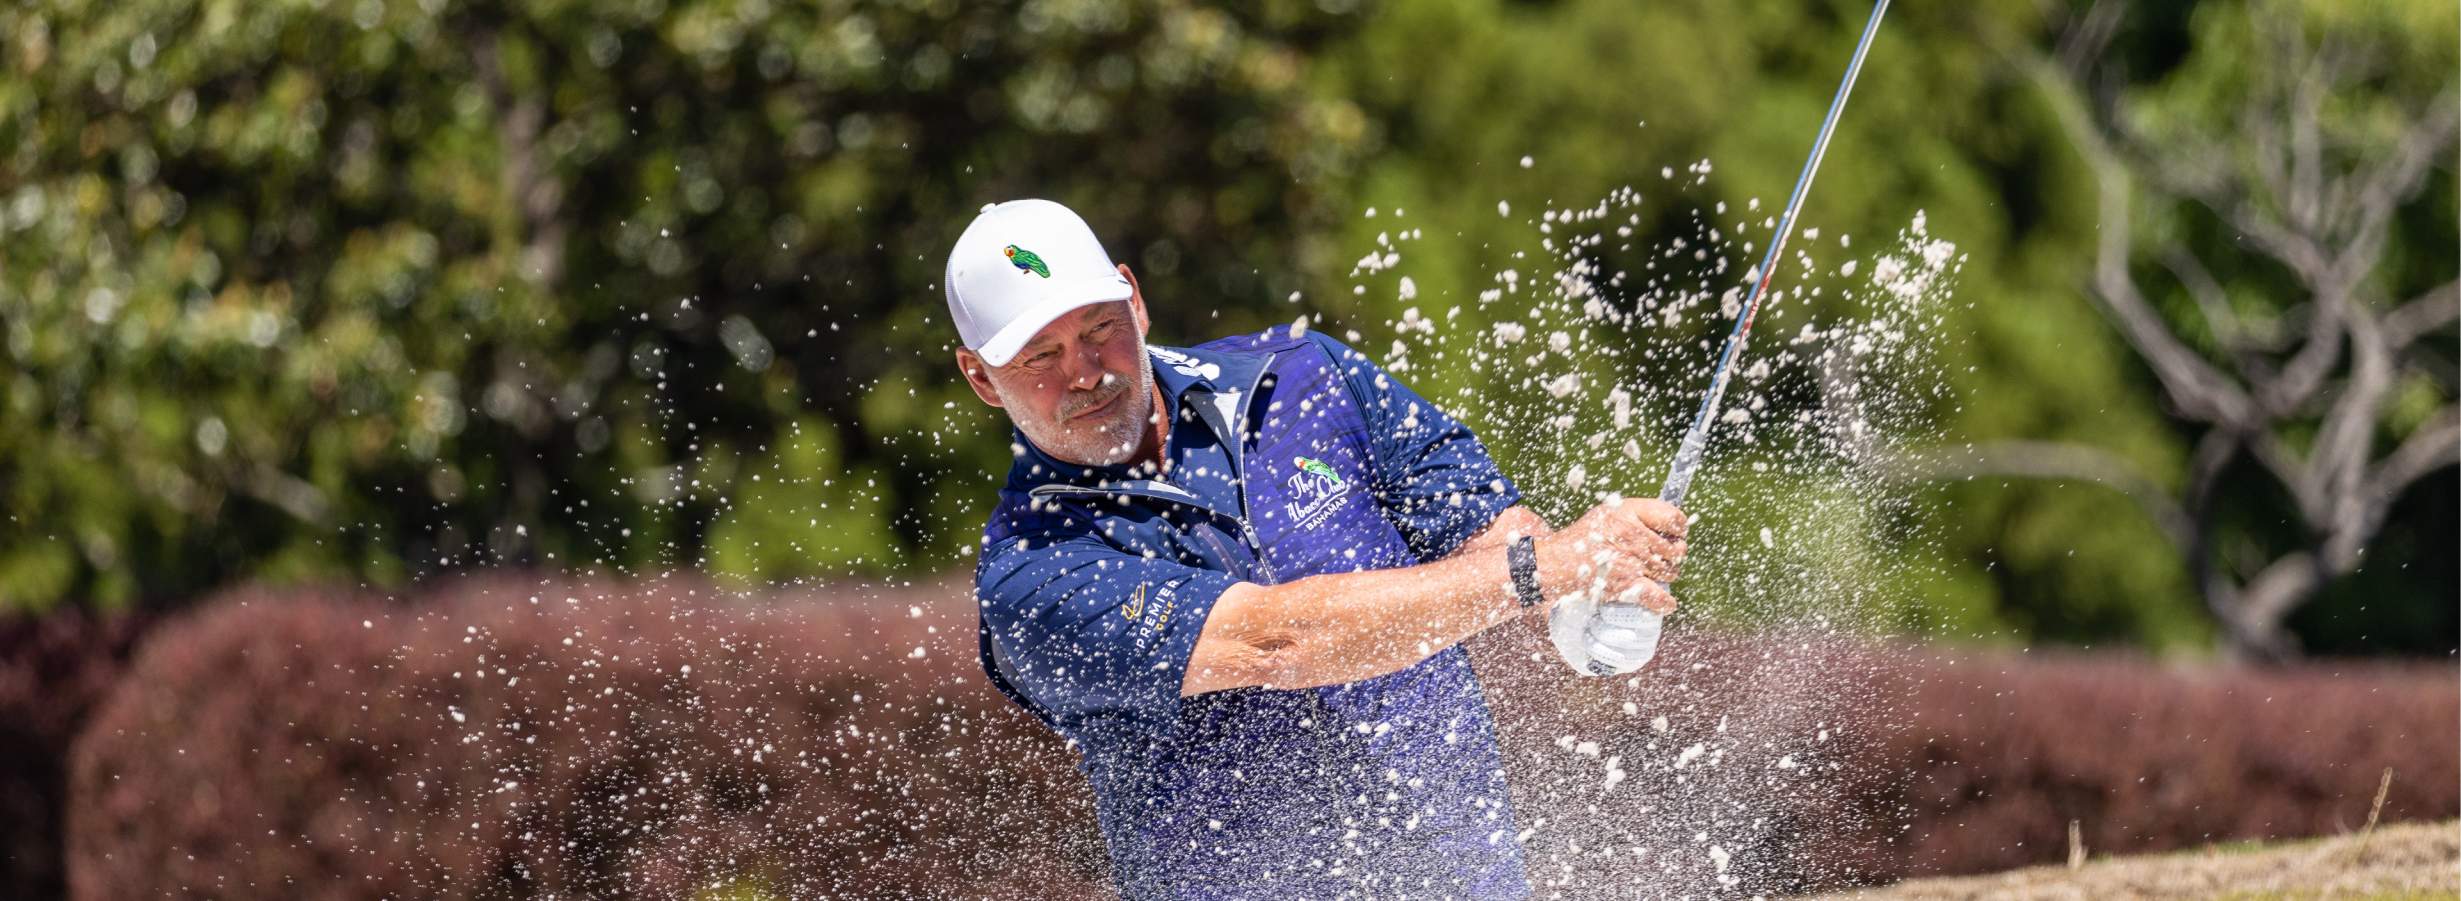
(1237, 441)
(1239, 459)
(1255, 544)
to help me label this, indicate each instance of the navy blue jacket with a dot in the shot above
(1288, 457)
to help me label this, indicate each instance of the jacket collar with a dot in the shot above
(1221, 382)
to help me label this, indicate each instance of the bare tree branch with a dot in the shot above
(2381, 191)
(2322, 202)
(2302, 195)
(2201, 391)
(2437, 308)
(536, 197)
(2289, 468)
(2268, 598)
(284, 491)
(2211, 301)
(2046, 460)
(2298, 380)
(2082, 43)
(2337, 462)
(2306, 258)
(2434, 446)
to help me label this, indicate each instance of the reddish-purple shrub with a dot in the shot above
(509, 739)
(1989, 757)
(1961, 763)
(1826, 764)
(53, 670)
(460, 747)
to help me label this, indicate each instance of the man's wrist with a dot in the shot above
(1521, 556)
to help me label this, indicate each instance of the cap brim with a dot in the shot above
(1057, 302)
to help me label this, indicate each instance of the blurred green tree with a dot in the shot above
(368, 290)
(2281, 175)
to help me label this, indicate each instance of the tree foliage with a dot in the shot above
(2320, 358)
(368, 291)
(307, 290)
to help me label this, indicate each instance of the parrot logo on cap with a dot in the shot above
(1026, 261)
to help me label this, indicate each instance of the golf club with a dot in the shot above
(1629, 632)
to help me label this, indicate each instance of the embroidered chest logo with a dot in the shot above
(1316, 490)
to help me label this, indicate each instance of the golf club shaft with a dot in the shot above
(1696, 439)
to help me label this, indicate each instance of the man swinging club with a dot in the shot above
(1237, 576)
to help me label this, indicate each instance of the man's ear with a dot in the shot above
(1136, 301)
(978, 376)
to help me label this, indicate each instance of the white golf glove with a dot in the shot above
(1603, 639)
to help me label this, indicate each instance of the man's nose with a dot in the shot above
(1085, 369)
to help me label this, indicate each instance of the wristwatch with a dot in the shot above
(1522, 554)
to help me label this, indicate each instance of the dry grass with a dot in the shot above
(2400, 861)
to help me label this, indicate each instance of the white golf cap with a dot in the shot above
(1019, 266)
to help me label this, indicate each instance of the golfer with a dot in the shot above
(1237, 576)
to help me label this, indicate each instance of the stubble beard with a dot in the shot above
(1107, 441)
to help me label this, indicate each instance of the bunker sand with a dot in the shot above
(2401, 861)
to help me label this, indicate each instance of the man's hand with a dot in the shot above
(1624, 548)
(1336, 628)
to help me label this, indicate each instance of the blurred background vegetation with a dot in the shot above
(365, 292)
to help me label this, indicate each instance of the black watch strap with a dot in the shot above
(1522, 554)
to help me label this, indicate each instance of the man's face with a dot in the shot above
(1082, 390)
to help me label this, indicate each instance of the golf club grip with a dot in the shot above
(1687, 459)
(1679, 478)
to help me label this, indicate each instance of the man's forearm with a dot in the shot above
(1508, 525)
(1343, 627)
